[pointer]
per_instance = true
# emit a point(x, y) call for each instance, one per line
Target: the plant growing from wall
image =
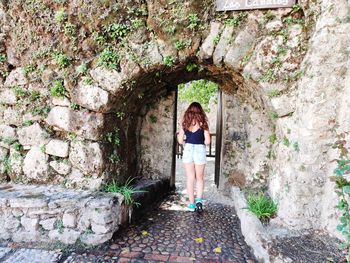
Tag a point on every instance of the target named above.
point(342, 189)
point(58, 89)
point(61, 59)
point(168, 61)
point(127, 190)
point(193, 21)
point(109, 59)
point(262, 206)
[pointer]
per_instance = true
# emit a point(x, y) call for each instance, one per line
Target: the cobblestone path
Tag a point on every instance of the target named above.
point(167, 233)
point(170, 234)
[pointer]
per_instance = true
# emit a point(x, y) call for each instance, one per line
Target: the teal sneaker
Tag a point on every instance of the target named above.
point(191, 207)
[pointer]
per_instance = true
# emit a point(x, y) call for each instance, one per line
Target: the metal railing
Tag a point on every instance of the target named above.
point(210, 147)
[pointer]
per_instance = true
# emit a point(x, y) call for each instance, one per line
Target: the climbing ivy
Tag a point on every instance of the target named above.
point(199, 90)
point(342, 189)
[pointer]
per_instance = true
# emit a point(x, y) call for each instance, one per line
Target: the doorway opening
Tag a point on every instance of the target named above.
point(208, 94)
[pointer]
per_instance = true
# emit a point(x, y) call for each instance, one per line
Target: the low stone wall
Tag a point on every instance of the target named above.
point(32, 213)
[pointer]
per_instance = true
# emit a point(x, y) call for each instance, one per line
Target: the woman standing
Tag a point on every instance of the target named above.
point(195, 134)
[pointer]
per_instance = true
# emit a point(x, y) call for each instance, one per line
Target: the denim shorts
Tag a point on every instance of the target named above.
point(194, 153)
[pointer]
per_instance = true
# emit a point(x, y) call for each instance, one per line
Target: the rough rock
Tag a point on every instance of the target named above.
point(92, 97)
point(110, 80)
point(222, 47)
point(32, 135)
point(89, 125)
point(12, 117)
point(61, 101)
point(243, 43)
point(87, 157)
point(57, 148)
point(61, 167)
point(7, 135)
point(35, 165)
point(207, 48)
point(69, 220)
point(16, 78)
point(8, 96)
point(66, 236)
point(30, 224)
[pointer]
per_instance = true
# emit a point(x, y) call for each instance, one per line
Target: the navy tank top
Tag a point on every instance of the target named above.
point(196, 137)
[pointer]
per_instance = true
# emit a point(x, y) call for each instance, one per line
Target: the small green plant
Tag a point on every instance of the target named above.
point(126, 190)
point(191, 67)
point(113, 137)
point(273, 138)
point(137, 23)
point(61, 15)
point(59, 225)
point(114, 158)
point(296, 147)
point(61, 60)
point(235, 21)
point(268, 16)
point(41, 110)
point(117, 31)
point(27, 123)
point(296, 8)
point(217, 39)
point(262, 206)
point(273, 93)
point(193, 21)
point(2, 58)
point(82, 68)
point(286, 141)
point(109, 59)
point(34, 95)
point(180, 44)
point(69, 29)
point(29, 69)
point(74, 106)
point(269, 76)
point(168, 61)
point(20, 92)
point(153, 118)
point(7, 165)
point(58, 89)
point(273, 115)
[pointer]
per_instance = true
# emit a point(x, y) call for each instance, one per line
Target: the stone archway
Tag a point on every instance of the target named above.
point(107, 63)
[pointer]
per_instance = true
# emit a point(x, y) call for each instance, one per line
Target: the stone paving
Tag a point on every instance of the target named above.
point(167, 233)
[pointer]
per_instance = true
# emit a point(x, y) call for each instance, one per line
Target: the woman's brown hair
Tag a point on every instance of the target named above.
point(195, 114)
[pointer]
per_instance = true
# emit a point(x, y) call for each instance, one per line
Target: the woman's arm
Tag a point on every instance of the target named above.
point(180, 136)
point(207, 138)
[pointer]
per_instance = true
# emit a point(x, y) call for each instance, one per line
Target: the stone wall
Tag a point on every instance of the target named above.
point(157, 139)
point(47, 214)
point(74, 83)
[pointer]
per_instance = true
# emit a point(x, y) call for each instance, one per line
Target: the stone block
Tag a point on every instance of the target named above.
point(61, 101)
point(61, 167)
point(3, 153)
point(92, 97)
point(88, 125)
point(32, 135)
point(110, 80)
point(102, 229)
point(95, 239)
point(283, 105)
point(87, 157)
point(207, 48)
point(12, 117)
point(57, 148)
point(30, 224)
point(101, 217)
point(8, 96)
point(27, 236)
point(28, 202)
point(222, 46)
point(66, 236)
point(48, 224)
point(69, 220)
point(35, 166)
point(17, 212)
point(7, 135)
point(16, 78)
point(243, 43)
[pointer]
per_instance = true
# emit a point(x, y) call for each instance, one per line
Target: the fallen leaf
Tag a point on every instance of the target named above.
point(125, 250)
point(199, 240)
point(144, 233)
point(217, 250)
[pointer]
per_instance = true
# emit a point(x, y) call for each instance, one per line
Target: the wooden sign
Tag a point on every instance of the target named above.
point(225, 5)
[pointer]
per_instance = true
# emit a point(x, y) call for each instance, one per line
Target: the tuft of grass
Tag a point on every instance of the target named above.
point(262, 206)
point(58, 89)
point(168, 61)
point(126, 190)
point(109, 59)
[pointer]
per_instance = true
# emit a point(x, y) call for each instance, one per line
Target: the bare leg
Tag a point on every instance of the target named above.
point(199, 179)
point(190, 174)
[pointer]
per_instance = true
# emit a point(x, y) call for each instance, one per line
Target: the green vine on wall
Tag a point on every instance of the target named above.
point(342, 188)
